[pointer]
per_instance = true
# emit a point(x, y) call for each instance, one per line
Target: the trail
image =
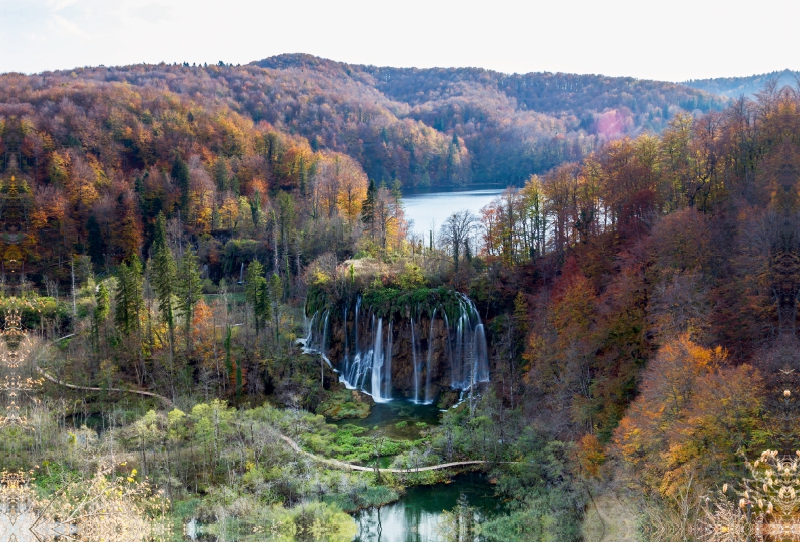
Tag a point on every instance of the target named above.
point(296, 447)
point(342, 465)
point(89, 388)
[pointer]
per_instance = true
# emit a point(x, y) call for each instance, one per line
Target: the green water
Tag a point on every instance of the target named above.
point(418, 515)
point(387, 419)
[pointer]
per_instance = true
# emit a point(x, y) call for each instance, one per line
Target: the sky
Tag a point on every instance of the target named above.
point(673, 41)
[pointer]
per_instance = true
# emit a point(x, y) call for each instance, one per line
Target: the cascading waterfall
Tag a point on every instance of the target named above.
point(367, 368)
point(387, 365)
point(415, 357)
point(469, 362)
point(366, 357)
point(377, 364)
point(317, 336)
point(429, 366)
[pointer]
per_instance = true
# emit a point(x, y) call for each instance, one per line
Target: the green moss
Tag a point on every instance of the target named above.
point(395, 303)
point(364, 498)
point(342, 405)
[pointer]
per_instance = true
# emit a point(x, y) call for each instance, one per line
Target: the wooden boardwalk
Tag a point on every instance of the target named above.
point(348, 466)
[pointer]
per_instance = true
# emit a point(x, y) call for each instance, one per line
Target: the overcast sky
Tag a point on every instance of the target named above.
point(675, 40)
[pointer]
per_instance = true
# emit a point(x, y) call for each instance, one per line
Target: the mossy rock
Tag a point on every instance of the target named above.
point(346, 404)
point(447, 399)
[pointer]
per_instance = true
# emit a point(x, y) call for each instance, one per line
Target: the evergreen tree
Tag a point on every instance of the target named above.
point(257, 293)
point(189, 289)
point(164, 275)
point(302, 174)
point(97, 246)
point(275, 295)
point(180, 172)
point(368, 206)
point(221, 174)
point(101, 309)
point(122, 316)
point(397, 193)
point(129, 295)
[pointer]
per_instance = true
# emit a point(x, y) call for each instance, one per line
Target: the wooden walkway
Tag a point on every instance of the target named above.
point(296, 447)
point(348, 466)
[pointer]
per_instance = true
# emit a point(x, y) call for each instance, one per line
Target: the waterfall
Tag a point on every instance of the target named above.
point(415, 357)
point(365, 361)
point(387, 366)
point(365, 367)
point(469, 356)
point(429, 366)
point(316, 340)
point(377, 363)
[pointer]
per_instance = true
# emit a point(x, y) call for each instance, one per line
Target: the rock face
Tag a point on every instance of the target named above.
point(403, 377)
point(403, 355)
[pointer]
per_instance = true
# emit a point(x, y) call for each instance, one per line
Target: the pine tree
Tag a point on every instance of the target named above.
point(256, 293)
point(101, 309)
point(97, 244)
point(129, 295)
point(368, 206)
point(122, 315)
point(164, 275)
point(180, 172)
point(275, 295)
point(189, 289)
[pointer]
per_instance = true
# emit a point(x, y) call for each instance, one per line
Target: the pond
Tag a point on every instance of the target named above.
point(423, 514)
point(419, 516)
point(427, 207)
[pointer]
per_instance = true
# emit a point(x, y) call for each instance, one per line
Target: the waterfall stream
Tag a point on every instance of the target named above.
point(366, 356)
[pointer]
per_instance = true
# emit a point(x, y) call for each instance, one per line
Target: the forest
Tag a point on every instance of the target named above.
point(216, 325)
point(418, 127)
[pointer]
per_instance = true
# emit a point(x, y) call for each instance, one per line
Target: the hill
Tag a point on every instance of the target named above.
point(734, 87)
point(424, 127)
point(514, 125)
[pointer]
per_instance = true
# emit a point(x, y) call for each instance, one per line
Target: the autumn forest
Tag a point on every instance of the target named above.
point(220, 324)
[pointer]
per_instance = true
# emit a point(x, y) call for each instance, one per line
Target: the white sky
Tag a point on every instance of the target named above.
point(674, 40)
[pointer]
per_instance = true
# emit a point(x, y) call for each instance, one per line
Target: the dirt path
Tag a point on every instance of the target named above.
point(54, 380)
point(296, 447)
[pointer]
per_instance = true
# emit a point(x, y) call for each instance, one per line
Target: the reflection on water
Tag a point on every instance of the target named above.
point(419, 516)
point(438, 513)
point(426, 207)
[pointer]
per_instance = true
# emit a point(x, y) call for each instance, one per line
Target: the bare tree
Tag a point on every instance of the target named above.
point(456, 232)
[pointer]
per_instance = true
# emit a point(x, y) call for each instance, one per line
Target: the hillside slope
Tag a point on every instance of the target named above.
point(734, 87)
point(425, 127)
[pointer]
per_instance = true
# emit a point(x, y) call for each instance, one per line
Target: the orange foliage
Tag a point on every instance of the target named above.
point(694, 409)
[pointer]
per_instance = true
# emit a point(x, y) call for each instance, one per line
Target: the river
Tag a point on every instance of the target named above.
point(428, 208)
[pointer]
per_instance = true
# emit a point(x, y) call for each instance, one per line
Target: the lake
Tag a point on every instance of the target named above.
point(418, 515)
point(434, 205)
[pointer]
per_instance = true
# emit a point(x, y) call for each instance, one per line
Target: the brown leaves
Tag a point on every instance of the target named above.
point(693, 411)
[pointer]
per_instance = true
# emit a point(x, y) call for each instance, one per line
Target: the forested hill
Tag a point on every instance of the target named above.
point(555, 93)
point(512, 125)
point(734, 87)
point(436, 126)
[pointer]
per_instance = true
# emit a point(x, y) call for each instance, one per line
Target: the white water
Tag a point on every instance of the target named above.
point(366, 363)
